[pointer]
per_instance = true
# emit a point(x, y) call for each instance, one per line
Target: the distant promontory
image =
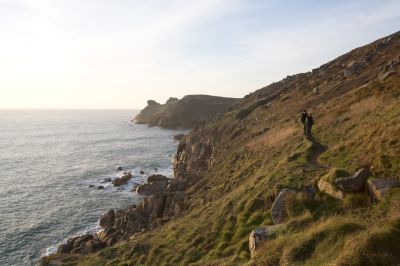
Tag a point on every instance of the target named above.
point(186, 113)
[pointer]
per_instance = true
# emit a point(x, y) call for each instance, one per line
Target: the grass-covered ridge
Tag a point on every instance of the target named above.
point(256, 155)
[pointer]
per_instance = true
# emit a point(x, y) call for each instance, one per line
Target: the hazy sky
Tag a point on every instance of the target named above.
point(120, 53)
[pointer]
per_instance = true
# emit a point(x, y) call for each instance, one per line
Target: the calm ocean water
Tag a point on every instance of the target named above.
point(48, 159)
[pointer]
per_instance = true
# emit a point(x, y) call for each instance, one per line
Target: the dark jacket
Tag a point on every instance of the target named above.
point(303, 117)
point(309, 121)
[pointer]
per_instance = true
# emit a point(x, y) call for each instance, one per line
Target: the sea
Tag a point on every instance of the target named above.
point(52, 163)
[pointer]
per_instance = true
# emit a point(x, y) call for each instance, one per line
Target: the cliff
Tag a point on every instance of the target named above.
point(188, 112)
point(255, 191)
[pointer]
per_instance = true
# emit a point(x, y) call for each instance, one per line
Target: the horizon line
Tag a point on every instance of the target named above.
point(69, 109)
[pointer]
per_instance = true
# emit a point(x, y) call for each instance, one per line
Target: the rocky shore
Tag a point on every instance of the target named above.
point(163, 199)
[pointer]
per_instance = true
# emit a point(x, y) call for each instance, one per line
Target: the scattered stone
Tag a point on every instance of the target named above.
point(329, 189)
point(91, 185)
point(379, 187)
point(107, 180)
point(120, 168)
point(353, 183)
point(155, 169)
point(260, 235)
point(107, 219)
point(278, 209)
point(100, 187)
point(142, 172)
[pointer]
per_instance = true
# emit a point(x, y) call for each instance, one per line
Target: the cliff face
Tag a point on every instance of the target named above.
point(188, 112)
point(252, 181)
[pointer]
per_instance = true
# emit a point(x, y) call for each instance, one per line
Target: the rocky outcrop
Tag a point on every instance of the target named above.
point(188, 112)
point(155, 184)
point(380, 187)
point(164, 199)
point(260, 235)
point(353, 183)
point(82, 244)
point(278, 209)
point(119, 181)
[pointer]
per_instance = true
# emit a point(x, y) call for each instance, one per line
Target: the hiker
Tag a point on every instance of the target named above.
point(309, 123)
point(303, 120)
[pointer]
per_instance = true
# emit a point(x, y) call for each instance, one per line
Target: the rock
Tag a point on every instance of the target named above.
point(151, 188)
point(177, 185)
point(106, 233)
point(94, 245)
point(329, 189)
point(119, 181)
point(142, 172)
point(278, 209)
point(178, 137)
point(107, 219)
point(352, 68)
point(260, 235)
point(76, 250)
point(379, 187)
point(157, 178)
point(64, 248)
point(353, 183)
point(155, 184)
point(107, 180)
point(100, 187)
point(91, 185)
point(120, 168)
point(384, 75)
point(111, 241)
point(80, 241)
point(310, 192)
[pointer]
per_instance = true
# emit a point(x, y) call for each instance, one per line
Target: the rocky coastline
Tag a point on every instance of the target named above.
point(163, 199)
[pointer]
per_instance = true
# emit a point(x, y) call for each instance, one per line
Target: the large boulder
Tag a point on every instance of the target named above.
point(329, 189)
point(379, 187)
point(260, 235)
point(278, 209)
point(353, 183)
point(107, 219)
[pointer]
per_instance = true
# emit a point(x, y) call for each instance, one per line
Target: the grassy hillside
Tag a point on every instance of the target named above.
point(253, 151)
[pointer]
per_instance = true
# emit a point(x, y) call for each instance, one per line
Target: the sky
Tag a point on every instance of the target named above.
point(117, 54)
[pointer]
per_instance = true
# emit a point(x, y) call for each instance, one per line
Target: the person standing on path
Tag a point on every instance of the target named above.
point(309, 123)
point(303, 121)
